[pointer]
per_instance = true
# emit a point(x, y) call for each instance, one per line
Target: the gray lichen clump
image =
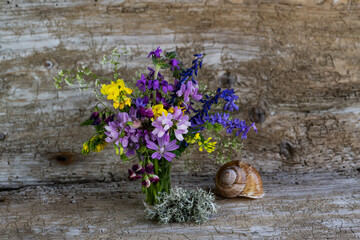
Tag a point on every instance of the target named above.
point(181, 205)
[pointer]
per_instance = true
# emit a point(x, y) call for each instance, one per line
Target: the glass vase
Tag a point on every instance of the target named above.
point(162, 168)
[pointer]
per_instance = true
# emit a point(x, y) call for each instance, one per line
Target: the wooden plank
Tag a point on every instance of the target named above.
point(296, 206)
point(294, 62)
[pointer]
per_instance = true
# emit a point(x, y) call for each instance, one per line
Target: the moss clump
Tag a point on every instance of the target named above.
point(181, 205)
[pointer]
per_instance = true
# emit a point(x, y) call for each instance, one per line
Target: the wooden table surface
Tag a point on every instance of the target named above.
point(295, 206)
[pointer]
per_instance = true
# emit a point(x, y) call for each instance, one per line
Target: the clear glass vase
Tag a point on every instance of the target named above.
point(162, 168)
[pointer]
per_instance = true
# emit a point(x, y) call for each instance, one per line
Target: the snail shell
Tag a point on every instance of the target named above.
point(239, 179)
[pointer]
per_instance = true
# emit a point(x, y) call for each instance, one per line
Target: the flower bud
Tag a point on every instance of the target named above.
point(94, 115)
point(154, 179)
point(109, 119)
point(149, 168)
point(138, 169)
point(132, 175)
point(146, 183)
point(136, 124)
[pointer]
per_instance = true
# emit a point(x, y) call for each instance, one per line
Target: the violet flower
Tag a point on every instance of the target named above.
point(166, 87)
point(146, 112)
point(141, 83)
point(153, 84)
point(164, 148)
point(156, 53)
point(174, 63)
point(187, 90)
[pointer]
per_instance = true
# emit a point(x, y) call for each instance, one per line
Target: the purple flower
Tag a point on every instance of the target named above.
point(162, 124)
point(187, 90)
point(123, 131)
point(146, 112)
point(246, 130)
point(166, 87)
point(141, 83)
point(95, 116)
point(114, 128)
point(108, 119)
point(195, 95)
point(182, 123)
point(154, 84)
point(156, 53)
point(182, 91)
point(145, 136)
point(139, 102)
point(164, 148)
point(174, 63)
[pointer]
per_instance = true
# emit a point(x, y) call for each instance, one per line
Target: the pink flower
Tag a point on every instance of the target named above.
point(182, 124)
point(162, 124)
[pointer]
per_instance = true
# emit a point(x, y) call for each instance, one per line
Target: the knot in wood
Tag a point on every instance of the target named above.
point(257, 115)
point(287, 149)
point(48, 64)
point(64, 158)
point(227, 80)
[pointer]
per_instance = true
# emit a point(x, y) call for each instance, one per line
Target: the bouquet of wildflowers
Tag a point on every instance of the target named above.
point(155, 119)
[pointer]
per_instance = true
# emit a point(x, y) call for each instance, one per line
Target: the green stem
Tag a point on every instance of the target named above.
point(105, 107)
point(156, 71)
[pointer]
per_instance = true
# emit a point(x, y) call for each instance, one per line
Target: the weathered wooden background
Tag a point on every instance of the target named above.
point(295, 65)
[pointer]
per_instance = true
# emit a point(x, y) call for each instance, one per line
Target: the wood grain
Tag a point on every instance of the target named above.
point(294, 64)
point(295, 206)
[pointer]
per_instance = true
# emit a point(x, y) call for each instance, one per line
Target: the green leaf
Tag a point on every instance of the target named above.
point(124, 157)
point(170, 55)
point(164, 65)
point(87, 122)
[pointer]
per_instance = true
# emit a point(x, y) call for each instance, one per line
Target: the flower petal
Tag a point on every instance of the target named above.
point(168, 156)
point(156, 155)
point(152, 145)
point(171, 146)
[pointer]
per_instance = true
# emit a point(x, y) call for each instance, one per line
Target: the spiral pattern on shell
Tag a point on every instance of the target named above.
point(239, 179)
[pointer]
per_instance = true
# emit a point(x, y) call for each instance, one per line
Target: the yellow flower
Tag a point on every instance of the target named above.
point(85, 150)
point(193, 140)
point(158, 110)
point(197, 136)
point(117, 92)
point(100, 147)
point(209, 146)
